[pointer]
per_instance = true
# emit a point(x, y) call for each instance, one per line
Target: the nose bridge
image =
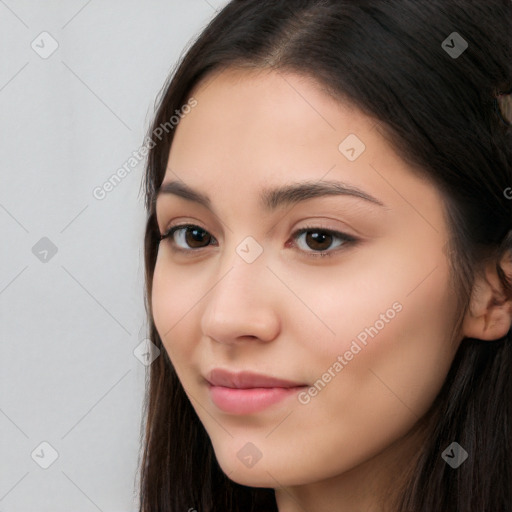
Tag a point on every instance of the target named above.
point(239, 302)
point(243, 269)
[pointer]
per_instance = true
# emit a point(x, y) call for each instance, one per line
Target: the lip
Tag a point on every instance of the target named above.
point(247, 392)
point(247, 380)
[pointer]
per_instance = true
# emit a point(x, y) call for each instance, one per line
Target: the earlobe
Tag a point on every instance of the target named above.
point(489, 316)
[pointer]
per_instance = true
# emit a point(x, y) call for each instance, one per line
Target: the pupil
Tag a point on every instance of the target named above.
point(318, 238)
point(197, 235)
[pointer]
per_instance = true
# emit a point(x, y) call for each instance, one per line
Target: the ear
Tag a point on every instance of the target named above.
point(489, 316)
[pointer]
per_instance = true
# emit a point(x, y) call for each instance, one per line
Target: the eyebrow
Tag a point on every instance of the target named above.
point(273, 198)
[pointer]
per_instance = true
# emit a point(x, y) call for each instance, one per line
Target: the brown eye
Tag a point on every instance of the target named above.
point(318, 241)
point(188, 237)
point(196, 237)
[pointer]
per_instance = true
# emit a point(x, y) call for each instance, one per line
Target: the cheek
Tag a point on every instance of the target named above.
point(173, 298)
point(387, 293)
point(384, 384)
point(392, 320)
point(396, 343)
point(417, 352)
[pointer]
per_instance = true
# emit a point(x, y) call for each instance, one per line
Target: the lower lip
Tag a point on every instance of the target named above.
point(247, 401)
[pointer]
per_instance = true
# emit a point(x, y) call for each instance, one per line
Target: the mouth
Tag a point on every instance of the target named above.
point(247, 392)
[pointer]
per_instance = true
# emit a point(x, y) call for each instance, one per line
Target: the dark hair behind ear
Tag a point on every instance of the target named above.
point(397, 61)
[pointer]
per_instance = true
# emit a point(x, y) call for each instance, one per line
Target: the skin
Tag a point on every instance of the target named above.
point(290, 315)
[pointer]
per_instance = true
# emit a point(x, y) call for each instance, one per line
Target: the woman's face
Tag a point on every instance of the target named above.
point(363, 329)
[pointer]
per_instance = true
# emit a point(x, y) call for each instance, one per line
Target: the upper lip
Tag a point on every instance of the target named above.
point(246, 380)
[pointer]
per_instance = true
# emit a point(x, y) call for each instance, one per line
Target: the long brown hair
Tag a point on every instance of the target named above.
point(440, 114)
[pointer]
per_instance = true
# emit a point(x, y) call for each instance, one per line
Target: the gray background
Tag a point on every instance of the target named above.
point(70, 321)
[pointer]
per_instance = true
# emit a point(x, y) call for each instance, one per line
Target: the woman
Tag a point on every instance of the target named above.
point(328, 261)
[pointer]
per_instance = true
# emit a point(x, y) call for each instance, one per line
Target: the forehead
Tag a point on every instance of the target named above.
point(252, 130)
point(265, 123)
point(265, 107)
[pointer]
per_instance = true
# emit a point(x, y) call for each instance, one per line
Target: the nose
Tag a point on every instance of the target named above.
point(243, 304)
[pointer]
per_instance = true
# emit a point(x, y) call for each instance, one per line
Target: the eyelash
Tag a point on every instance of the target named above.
point(347, 239)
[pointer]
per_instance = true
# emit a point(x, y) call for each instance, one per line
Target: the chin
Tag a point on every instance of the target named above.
point(255, 476)
point(249, 479)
